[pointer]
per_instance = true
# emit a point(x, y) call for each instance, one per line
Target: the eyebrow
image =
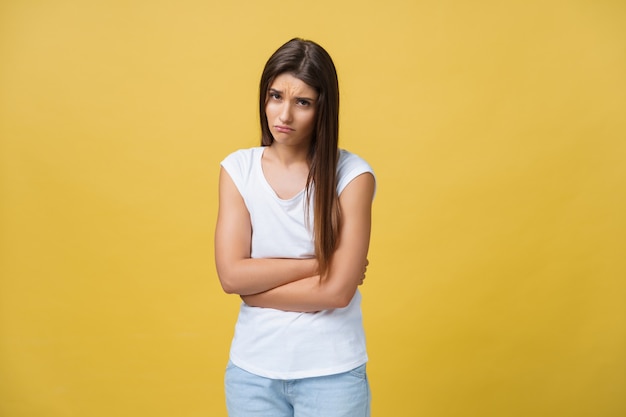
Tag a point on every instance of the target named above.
point(273, 90)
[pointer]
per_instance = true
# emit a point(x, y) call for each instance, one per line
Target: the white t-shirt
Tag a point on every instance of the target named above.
point(282, 344)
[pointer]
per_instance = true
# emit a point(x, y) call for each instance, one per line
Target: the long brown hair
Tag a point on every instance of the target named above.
point(310, 63)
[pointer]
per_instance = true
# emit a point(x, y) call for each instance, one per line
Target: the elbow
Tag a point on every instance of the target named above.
point(337, 294)
point(228, 289)
point(232, 282)
point(342, 299)
point(342, 302)
point(347, 299)
point(227, 282)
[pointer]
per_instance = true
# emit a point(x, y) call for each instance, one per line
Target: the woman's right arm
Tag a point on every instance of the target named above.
point(237, 271)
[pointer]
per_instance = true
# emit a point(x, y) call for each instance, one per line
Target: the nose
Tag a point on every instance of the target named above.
point(285, 115)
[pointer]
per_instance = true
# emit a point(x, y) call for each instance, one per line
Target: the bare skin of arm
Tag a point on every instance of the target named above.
point(345, 273)
point(237, 271)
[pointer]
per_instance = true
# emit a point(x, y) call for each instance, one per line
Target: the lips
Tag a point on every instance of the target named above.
point(283, 129)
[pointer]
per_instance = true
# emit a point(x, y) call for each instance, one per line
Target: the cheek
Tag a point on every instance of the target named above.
point(268, 110)
point(311, 121)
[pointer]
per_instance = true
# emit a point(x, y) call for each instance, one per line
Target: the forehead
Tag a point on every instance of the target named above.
point(287, 83)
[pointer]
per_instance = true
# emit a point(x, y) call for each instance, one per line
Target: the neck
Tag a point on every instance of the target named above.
point(288, 155)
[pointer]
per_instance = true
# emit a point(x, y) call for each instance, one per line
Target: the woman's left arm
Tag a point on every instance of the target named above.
point(345, 272)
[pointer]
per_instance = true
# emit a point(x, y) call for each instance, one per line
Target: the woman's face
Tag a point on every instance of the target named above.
point(291, 109)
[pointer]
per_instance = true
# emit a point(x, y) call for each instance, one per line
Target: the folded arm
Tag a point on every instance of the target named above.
point(237, 271)
point(345, 273)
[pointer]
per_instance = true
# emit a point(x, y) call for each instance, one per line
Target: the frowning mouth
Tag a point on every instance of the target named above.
point(283, 129)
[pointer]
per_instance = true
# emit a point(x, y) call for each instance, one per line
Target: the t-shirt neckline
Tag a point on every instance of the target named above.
point(259, 160)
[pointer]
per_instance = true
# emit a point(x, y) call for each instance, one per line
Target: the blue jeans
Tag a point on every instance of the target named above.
point(341, 395)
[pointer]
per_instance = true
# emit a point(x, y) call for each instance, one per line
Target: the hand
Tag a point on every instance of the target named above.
point(364, 271)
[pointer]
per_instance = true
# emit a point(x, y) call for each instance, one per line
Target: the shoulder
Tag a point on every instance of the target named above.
point(242, 156)
point(240, 165)
point(349, 167)
point(349, 160)
point(242, 160)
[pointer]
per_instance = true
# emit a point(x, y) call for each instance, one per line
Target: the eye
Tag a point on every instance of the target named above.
point(274, 95)
point(303, 102)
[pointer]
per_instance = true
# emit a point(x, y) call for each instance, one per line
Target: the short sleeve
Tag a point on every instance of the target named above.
point(238, 165)
point(349, 167)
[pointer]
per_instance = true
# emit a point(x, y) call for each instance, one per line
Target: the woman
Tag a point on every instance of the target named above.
point(292, 237)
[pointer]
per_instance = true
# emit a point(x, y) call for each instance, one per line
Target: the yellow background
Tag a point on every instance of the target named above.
point(497, 272)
